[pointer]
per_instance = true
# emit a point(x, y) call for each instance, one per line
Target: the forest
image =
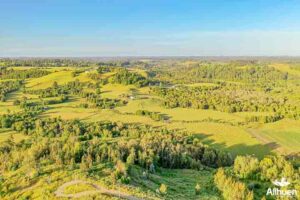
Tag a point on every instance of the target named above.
point(149, 128)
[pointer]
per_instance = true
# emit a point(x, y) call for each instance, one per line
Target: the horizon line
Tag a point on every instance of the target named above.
point(156, 56)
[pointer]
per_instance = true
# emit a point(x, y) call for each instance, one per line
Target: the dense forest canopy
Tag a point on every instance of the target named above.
point(260, 75)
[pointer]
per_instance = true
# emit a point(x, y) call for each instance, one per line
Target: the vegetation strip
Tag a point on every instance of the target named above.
point(60, 191)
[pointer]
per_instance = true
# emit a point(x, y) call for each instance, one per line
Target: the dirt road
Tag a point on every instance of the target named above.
point(60, 191)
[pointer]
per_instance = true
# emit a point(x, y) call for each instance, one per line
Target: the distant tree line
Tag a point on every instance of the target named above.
point(252, 73)
point(228, 99)
point(46, 62)
point(21, 74)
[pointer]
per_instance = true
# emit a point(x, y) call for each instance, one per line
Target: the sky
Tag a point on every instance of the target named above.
point(149, 28)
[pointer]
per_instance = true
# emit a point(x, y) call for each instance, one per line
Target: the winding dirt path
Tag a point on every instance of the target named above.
point(60, 191)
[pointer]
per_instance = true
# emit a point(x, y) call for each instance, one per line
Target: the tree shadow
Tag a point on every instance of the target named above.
point(258, 150)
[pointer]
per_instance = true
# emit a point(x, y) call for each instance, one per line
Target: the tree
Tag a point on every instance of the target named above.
point(16, 102)
point(72, 164)
point(131, 158)
point(163, 189)
point(245, 166)
point(55, 85)
point(84, 165)
point(98, 91)
point(272, 167)
point(152, 168)
point(1, 186)
point(197, 189)
point(121, 172)
point(230, 188)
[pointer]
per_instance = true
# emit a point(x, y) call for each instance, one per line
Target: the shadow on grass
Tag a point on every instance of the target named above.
point(258, 150)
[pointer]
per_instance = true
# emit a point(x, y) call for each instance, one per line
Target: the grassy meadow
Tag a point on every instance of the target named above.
point(220, 133)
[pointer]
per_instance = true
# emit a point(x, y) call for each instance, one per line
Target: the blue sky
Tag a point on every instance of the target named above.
point(149, 27)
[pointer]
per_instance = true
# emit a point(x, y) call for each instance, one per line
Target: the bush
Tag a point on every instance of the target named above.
point(245, 166)
point(163, 189)
point(272, 167)
point(16, 102)
point(230, 188)
point(121, 172)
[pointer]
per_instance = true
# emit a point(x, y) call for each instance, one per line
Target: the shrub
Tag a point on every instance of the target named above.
point(163, 189)
point(245, 166)
point(230, 188)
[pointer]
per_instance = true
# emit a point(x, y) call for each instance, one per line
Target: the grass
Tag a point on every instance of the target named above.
point(177, 114)
point(286, 133)
point(233, 139)
point(76, 188)
point(214, 127)
point(180, 183)
point(220, 135)
point(223, 136)
point(52, 177)
point(61, 77)
point(248, 114)
point(116, 90)
point(7, 133)
point(8, 104)
point(286, 68)
point(202, 84)
point(139, 71)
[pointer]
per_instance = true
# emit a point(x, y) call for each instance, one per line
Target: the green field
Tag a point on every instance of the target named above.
point(99, 97)
point(284, 133)
point(222, 135)
point(6, 134)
